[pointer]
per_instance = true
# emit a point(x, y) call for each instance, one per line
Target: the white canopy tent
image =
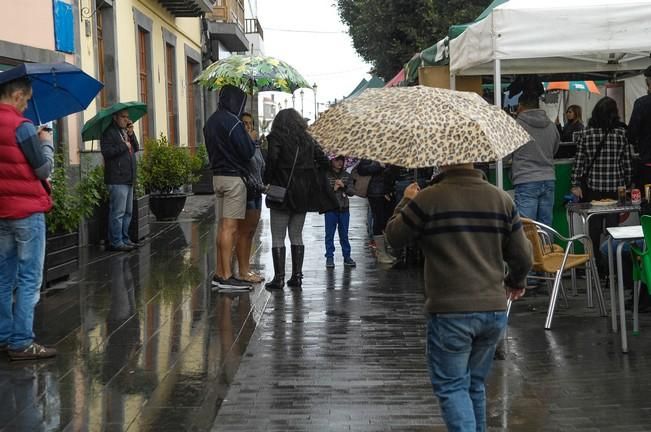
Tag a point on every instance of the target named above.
point(602, 37)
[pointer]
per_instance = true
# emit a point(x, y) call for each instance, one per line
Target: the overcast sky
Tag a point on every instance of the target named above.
point(309, 35)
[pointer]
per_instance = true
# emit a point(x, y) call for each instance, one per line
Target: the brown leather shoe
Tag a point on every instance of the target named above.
point(32, 352)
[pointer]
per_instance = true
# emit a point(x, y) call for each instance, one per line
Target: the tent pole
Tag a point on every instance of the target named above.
point(453, 82)
point(499, 175)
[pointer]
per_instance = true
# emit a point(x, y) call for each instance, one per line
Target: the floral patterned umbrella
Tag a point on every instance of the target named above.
point(252, 74)
point(416, 127)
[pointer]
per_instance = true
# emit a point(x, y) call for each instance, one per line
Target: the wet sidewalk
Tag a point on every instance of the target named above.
point(144, 345)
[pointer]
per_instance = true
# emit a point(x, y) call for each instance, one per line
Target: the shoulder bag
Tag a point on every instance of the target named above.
point(583, 181)
point(278, 194)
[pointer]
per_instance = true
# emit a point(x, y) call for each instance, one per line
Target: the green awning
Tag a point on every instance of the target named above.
point(374, 82)
point(457, 29)
point(439, 53)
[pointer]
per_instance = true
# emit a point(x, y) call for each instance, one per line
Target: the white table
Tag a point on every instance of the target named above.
point(624, 234)
point(586, 211)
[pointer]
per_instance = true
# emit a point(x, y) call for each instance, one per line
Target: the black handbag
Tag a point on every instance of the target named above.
point(277, 194)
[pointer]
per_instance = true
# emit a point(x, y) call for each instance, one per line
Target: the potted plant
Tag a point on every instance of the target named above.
point(204, 184)
point(166, 169)
point(139, 227)
point(70, 205)
point(98, 221)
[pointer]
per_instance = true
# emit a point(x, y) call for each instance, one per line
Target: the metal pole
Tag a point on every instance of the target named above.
point(316, 105)
point(302, 98)
point(499, 175)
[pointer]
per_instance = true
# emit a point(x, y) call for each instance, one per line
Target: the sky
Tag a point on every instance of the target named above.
point(309, 35)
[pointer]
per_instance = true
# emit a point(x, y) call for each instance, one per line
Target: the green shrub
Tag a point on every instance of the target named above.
point(70, 204)
point(166, 168)
point(202, 154)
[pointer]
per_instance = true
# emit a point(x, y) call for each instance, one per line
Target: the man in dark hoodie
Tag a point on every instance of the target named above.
point(532, 172)
point(230, 148)
point(639, 131)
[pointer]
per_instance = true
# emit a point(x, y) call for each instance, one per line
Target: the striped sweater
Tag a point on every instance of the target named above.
point(467, 229)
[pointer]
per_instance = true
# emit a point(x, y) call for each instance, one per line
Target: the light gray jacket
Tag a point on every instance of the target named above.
point(534, 161)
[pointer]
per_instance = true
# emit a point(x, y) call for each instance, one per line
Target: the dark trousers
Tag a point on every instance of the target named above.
point(382, 209)
point(598, 223)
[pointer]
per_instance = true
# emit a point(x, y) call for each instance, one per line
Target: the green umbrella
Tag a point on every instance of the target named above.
point(252, 74)
point(95, 127)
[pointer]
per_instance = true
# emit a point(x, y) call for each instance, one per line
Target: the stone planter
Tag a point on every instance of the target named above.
point(138, 229)
point(61, 257)
point(98, 225)
point(167, 207)
point(203, 186)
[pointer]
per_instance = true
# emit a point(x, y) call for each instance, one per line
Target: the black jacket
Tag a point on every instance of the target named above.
point(381, 179)
point(230, 148)
point(119, 163)
point(307, 191)
point(639, 128)
point(567, 131)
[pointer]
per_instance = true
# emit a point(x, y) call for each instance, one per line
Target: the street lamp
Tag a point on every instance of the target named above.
point(316, 104)
point(302, 94)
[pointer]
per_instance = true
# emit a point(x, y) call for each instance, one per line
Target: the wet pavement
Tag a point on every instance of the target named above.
point(144, 345)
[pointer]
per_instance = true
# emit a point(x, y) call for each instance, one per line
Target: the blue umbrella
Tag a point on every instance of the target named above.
point(58, 89)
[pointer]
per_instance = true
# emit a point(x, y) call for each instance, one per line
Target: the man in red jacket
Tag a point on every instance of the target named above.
point(26, 160)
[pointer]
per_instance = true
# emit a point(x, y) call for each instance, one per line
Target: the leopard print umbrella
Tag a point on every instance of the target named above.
point(419, 126)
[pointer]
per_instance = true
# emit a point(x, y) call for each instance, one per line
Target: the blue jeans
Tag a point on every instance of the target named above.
point(22, 252)
point(535, 200)
point(337, 221)
point(460, 349)
point(120, 209)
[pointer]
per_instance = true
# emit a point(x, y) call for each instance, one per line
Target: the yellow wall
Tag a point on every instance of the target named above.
point(187, 32)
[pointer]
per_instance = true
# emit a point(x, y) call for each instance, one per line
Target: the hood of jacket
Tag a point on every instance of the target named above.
point(232, 99)
point(536, 118)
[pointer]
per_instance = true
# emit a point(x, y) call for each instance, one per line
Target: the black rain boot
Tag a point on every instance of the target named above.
point(278, 282)
point(298, 252)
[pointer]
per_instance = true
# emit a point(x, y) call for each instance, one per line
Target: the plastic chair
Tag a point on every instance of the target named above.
point(555, 261)
point(641, 270)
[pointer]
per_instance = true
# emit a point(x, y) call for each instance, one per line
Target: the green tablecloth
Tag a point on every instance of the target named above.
point(563, 168)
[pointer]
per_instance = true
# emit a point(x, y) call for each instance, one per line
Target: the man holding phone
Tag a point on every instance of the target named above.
point(26, 161)
point(119, 146)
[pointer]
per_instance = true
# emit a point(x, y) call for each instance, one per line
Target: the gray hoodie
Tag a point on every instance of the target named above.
point(534, 161)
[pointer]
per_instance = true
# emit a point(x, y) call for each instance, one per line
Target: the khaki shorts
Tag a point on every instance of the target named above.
point(231, 197)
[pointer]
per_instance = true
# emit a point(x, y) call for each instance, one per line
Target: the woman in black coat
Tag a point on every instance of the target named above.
point(291, 148)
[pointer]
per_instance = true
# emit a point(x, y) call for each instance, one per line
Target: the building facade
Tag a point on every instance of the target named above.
point(43, 31)
point(142, 50)
point(148, 51)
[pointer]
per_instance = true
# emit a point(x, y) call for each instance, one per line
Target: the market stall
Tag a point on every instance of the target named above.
point(595, 39)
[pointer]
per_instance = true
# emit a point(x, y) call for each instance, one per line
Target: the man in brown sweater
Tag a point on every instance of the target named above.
point(468, 230)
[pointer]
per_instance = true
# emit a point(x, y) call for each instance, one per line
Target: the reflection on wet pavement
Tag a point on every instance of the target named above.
point(144, 345)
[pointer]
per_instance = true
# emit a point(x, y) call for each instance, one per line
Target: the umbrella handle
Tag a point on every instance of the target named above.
point(38, 116)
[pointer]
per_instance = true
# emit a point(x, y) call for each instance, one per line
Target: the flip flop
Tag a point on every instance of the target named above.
point(252, 278)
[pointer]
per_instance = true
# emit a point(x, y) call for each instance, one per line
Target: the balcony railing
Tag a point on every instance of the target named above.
point(252, 25)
